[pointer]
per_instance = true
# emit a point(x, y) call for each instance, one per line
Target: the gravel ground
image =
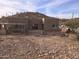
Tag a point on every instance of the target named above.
point(39, 47)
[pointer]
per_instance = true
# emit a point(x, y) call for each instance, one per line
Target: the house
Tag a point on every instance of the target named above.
point(24, 23)
point(13, 25)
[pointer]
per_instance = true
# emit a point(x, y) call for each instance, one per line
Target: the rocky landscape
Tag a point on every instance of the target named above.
point(38, 47)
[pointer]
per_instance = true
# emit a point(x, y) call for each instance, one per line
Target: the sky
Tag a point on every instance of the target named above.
point(53, 8)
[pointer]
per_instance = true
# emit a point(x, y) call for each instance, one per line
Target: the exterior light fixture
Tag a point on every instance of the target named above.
point(2, 25)
point(43, 20)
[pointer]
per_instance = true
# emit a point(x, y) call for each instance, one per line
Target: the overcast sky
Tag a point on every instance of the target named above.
point(54, 8)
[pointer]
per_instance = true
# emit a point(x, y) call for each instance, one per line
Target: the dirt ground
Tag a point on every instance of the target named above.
point(38, 47)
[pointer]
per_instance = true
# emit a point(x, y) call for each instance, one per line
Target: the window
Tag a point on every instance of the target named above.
point(35, 26)
point(17, 28)
point(53, 25)
point(0, 26)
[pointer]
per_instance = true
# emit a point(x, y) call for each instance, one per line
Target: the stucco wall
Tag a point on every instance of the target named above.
point(51, 24)
point(35, 21)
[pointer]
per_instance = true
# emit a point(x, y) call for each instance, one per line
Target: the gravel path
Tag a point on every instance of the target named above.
point(38, 47)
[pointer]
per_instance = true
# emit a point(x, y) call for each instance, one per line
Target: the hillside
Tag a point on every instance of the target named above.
point(73, 23)
point(31, 15)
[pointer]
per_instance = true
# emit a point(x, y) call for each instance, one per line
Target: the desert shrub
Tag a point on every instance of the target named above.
point(73, 23)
